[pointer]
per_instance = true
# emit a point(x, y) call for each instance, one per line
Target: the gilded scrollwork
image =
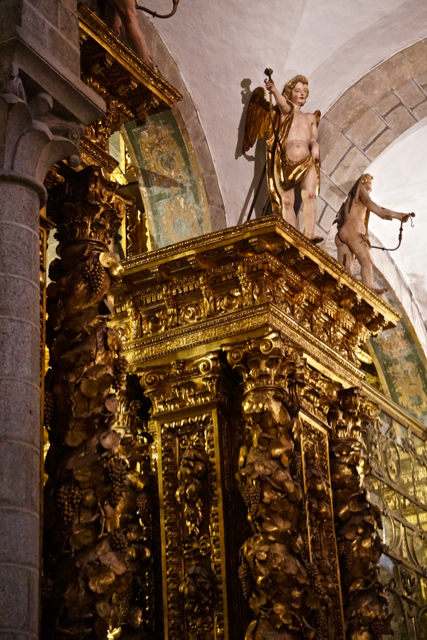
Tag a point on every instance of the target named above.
point(184, 383)
point(192, 539)
point(190, 495)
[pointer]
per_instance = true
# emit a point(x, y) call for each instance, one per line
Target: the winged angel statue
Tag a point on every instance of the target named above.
point(293, 158)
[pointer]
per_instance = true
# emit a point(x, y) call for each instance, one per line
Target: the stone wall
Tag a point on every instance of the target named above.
point(367, 118)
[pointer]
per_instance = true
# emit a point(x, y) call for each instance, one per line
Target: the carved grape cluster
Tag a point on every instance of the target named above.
point(117, 471)
point(118, 542)
point(252, 497)
point(69, 499)
point(123, 602)
point(321, 623)
point(246, 579)
point(120, 369)
point(345, 551)
point(316, 580)
point(94, 274)
point(144, 507)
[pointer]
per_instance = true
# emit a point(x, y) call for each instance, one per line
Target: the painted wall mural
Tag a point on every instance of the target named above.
point(403, 368)
point(170, 181)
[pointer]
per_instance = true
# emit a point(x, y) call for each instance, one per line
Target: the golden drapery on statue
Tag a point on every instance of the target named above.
point(282, 173)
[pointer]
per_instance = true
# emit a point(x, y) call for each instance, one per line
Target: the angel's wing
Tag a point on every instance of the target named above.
point(317, 114)
point(256, 120)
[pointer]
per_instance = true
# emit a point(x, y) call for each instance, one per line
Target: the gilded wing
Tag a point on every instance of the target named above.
point(317, 114)
point(256, 120)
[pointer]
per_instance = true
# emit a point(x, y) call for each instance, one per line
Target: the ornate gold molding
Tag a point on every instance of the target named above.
point(185, 396)
point(121, 68)
point(131, 90)
point(357, 520)
point(231, 276)
point(290, 321)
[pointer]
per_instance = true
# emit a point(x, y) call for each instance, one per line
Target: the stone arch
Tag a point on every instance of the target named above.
point(365, 120)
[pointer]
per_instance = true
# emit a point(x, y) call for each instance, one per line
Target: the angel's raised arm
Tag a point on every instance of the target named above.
point(256, 119)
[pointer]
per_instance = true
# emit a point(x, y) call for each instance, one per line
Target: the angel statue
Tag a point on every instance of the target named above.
point(352, 239)
point(292, 150)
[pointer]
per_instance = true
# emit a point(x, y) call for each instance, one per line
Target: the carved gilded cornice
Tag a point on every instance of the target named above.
point(112, 64)
point(131, 90)
point(262, 275)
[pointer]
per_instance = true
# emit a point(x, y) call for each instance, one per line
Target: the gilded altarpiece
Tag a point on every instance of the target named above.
point(246, 341)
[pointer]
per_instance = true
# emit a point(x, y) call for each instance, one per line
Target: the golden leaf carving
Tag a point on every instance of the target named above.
point(100, 577)
point(83, 537)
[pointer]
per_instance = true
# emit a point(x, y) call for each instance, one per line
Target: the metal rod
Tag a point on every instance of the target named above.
point(157, 15)
point(412, 215)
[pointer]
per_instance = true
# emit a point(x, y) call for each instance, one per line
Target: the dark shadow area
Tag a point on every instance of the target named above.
point(246, 96)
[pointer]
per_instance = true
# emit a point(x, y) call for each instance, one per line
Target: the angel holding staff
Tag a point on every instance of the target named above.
point(292, 150)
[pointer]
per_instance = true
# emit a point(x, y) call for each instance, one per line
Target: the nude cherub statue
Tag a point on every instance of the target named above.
point(352, 239)
point(118, 13)
point(293, 157)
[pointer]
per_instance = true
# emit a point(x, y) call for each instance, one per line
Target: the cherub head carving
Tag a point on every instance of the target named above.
point(290, 86)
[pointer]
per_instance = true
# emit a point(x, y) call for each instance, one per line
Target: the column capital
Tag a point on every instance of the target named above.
point(185, 383)
point(32, 136)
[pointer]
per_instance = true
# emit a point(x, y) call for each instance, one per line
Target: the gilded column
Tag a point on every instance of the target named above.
point(289, 566)
point(187, 396)
point(94, 502)
point(357, 520)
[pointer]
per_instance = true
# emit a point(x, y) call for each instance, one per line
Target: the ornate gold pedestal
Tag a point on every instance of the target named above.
point(245, 343)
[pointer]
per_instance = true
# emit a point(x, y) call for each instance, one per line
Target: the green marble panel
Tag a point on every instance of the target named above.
point(402, 366)
point(171, 186)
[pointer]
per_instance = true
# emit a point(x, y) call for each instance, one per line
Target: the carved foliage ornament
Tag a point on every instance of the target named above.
point(291, 582)
point(94, 540)
point(357, 521)
point(86, 207)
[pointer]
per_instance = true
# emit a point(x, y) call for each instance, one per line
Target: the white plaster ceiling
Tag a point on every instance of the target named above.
point(222, 48)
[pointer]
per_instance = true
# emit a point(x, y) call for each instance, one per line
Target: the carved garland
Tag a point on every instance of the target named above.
point(94, 545)
point(292, 585)
point(357, 521)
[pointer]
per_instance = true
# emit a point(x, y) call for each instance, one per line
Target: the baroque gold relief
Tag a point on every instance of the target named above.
point(162, 153)
point(289, 568)
point(409, 386)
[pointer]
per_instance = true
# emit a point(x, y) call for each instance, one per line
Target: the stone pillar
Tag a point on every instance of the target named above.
point(29, 146)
